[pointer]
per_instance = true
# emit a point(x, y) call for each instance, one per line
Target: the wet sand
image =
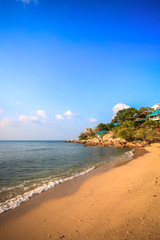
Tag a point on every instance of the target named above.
point(122, 203)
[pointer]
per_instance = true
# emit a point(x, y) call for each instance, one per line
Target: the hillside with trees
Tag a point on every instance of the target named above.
point(129, 124)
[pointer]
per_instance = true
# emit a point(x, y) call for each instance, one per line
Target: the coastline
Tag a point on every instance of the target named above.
point(78, 190)
point(92, 171)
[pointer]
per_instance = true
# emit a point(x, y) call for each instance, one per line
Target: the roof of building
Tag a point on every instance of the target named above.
point(139, 120)
point(100, 132)
point(136, 115)
point(157, 112)
point(116, 124)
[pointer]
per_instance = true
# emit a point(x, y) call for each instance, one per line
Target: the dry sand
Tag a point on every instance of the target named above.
point(122, 203)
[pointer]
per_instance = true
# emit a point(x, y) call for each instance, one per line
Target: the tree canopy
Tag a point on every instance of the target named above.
point(102, 127)
point(83, 136)
point(146, 110)
point(126, 114)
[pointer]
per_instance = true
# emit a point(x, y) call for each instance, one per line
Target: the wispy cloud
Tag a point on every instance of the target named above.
point(118, 107)
point(69, 113)
point(18, 103)
point(10, 122)
point(4, 122)
point(41, 113)
point(32, 119)
point(93, 120)
point(21, 119)
point(1, 110)
point(59, 117)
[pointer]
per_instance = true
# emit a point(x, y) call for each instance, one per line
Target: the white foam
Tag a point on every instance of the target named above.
point(130, 154)
point(16, 201)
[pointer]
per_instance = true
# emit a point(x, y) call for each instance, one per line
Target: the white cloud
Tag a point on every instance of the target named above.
point(156, 106)
point(31, 119)
point(59, 117)
point(41, 113)
point(4, 122)
point(119, 106)
point(93, 120)
point(18, 103)
point(1, 110)
point(69, 113)
point(21, 119)
point(7, 121)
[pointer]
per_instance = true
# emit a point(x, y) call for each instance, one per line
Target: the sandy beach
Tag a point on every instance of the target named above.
point(122, 203)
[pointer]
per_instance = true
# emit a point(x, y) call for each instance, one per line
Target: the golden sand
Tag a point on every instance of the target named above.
point(122, 203)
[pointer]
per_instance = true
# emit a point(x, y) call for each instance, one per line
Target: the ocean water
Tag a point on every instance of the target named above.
point(30, 167)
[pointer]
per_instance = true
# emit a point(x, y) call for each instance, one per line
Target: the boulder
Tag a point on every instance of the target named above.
point(107, 136)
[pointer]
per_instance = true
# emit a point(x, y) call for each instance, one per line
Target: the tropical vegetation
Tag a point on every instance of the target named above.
point(127, 128)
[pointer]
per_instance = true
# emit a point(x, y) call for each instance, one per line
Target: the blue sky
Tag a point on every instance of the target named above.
point(64, 65)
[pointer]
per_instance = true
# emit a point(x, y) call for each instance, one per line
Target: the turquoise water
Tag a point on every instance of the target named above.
point(30, 167)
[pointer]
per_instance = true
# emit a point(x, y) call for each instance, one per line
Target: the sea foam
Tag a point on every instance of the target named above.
point(32, 163)
point(16, 201)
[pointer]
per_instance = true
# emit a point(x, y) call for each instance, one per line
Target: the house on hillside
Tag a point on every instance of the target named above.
point(115, 124)
point(140, 117)
point(100, 132)
point(155, 116)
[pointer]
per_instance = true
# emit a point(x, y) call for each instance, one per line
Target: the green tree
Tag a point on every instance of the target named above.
point(102, 127)
point(128, 124)
point(83, 136)
point(146, 110)
point(89, 132)
point(126, 114)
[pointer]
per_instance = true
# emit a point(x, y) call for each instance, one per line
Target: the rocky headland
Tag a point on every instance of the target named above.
point(108, 140)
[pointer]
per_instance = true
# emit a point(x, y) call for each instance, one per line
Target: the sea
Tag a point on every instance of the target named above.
point(31, 167)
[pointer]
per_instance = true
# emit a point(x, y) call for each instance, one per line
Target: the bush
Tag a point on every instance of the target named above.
point(149, 123)
point(128, 124)
point(125, 125)
point(153, 135)
point(140, 134)
point(93, 136)
point(125, 133)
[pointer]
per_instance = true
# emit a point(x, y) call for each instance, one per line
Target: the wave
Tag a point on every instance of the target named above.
point(47, 183)
point(16, 201)
point(130, 154)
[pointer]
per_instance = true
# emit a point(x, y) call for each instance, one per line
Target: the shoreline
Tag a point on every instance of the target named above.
point(82, 176)
point(58, 194)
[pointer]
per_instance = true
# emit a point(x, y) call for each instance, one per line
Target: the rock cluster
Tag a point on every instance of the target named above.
point(108, 141)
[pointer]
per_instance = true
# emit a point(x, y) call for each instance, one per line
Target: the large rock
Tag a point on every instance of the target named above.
point(107, 141)
point(107, 136)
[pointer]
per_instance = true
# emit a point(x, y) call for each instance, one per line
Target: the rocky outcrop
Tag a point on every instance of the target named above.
point(108, 141)
point(77, 141)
